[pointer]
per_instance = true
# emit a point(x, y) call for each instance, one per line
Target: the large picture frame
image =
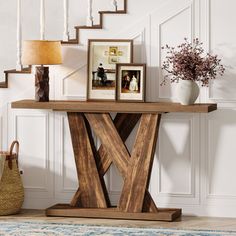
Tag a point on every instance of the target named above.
point(103, 55)
point(131, 82)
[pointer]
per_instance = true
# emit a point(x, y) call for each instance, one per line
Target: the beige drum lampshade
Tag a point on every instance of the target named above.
point(41, 52)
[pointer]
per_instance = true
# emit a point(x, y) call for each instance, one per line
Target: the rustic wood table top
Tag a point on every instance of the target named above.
point(106, 107)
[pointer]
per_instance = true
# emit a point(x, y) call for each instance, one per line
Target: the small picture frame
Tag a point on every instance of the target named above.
point(130, 82)
point(103, 55)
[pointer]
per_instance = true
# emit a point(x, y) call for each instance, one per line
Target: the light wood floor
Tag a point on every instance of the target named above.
point(186, 222)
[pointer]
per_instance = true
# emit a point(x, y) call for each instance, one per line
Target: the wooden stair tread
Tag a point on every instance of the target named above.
point(23, 71)
point(113, 12)
point(71, 41)
point(4, 84)
point(89, 27)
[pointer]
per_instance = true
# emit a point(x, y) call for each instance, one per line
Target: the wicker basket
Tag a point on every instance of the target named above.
point(11, 187)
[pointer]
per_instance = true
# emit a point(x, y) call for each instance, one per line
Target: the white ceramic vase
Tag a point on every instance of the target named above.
point(187, 92)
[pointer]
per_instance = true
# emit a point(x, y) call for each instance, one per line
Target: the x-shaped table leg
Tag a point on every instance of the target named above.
point(124, 124)
point(141, 158)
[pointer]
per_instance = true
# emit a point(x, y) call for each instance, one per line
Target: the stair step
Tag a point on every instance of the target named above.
point(99, 26)
point(88, 27)
point(4, 84)
point(23, 71)
point(113, 12)
point(71, 41)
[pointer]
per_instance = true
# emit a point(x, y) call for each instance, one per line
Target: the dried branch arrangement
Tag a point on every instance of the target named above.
point(189, 62)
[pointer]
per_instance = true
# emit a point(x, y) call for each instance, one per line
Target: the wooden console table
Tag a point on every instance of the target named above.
point(91, 199)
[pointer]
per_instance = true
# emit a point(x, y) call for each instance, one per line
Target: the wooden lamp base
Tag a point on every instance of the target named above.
point(42, 84)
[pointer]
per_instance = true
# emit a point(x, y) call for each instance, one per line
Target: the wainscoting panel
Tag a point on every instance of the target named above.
point(169, 25)
point(220, 159)
point(176, 166)
point(222, 41)
point(65, 175)
point(71, 84)
point(34, 131)
point(175, 155)
point(71, 76)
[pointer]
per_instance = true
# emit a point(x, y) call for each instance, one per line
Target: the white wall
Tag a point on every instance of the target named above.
point(195, 161)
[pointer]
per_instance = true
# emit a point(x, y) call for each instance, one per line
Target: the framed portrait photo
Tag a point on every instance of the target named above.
point(103, 55)
point(131, 80)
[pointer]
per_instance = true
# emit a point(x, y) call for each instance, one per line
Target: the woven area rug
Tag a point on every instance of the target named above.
point(41, 229)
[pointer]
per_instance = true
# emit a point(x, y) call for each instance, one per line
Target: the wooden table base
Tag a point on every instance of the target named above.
point(91, 198)
point(65, 210)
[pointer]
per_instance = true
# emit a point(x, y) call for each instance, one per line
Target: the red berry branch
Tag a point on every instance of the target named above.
point(189, 62)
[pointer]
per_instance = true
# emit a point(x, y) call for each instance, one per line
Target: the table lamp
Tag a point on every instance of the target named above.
point(41, 52)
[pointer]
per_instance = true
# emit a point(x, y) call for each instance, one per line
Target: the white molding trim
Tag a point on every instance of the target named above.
point(192, 193)
point(62, 157)
point(210, 196)
point(209, 95)
point(159, 43)
point(62, 87)
point(46, 187)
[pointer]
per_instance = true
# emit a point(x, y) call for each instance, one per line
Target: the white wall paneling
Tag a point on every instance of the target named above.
point(71, 77)
point(26, 126)
point(222, 42)
point(175, 177)
point(166, 29)
point(220, 149)
point(34, 130)
point(140, 33)
point(71, 83)
point(66, 181)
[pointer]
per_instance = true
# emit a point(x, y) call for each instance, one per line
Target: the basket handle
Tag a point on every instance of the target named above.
point(12, 147)
point(14, 143)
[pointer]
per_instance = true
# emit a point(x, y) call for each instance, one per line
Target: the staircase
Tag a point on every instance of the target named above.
point(76, 40)
point(98, 26)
